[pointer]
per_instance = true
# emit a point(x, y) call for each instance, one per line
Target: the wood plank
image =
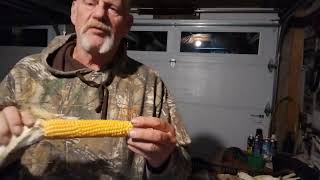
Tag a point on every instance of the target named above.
point(294, 85)
point(295, 75)
point(286, 117)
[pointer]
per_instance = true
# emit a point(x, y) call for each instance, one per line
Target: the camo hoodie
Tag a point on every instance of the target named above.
point(129, 89)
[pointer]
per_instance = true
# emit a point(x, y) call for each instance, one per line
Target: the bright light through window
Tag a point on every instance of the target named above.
point(220, 42)
point(198, 43)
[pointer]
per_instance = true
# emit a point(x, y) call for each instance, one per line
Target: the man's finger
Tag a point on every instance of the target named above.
point(151, 135)
point(5, 134)
point(138, 151)
point(151, 122)
point(14, 121)
point(27, 118)
point(145, 147)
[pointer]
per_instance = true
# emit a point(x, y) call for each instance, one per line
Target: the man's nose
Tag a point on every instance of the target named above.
point(100, 11)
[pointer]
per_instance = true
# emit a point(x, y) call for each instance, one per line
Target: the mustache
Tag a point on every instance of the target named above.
point(98, 25)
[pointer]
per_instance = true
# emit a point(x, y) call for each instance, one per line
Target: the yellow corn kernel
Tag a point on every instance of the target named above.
point(63, 128)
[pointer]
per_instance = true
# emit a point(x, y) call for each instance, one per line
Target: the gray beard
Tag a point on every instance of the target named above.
point(104, 48)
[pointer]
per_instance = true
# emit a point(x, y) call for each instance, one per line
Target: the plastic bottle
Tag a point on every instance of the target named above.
point(250, 144)
point(273, 145)
point(259, 135)
point(256, 147)
point(265, 149)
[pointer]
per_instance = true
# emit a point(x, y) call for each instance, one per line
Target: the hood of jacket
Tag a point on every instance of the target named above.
point(120, 63)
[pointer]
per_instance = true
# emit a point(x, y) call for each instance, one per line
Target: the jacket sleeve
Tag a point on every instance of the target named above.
point(7, 98)
point(7, 92)
point(19, 84)
point(179, 166)
point(15, 84)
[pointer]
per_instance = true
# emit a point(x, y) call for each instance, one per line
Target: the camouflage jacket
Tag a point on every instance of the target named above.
point(136, 90)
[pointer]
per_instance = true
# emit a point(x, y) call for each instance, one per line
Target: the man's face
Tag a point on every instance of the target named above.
point(100, 24)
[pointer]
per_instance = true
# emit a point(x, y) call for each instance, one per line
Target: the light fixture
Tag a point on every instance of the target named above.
point(197, 43)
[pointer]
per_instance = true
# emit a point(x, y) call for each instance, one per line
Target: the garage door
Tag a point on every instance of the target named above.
point(218, 74)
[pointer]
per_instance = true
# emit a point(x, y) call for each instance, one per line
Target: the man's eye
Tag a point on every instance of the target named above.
point(90, 2)
point(113, 10)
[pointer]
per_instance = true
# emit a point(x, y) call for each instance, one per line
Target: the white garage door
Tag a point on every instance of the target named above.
point(218, 74)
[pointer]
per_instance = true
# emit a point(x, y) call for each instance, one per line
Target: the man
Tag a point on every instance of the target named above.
point(89, 76)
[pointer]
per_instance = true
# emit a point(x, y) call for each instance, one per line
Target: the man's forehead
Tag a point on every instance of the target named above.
point(125, 3)
point(113, 1)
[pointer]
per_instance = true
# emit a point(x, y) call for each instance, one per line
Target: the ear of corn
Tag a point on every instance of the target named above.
point(60, 128)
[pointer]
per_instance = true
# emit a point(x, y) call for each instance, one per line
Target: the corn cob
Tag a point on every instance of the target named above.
point(60, 128)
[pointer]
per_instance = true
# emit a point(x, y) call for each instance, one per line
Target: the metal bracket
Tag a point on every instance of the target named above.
point(172, 62)
point(272, 66)
point(267, 109)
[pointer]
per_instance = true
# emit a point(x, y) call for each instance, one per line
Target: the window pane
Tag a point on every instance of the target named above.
point(23, 37)
point(220, 42)
point(147, 40)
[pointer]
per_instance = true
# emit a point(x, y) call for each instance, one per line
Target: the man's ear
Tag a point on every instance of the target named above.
point(73, 12)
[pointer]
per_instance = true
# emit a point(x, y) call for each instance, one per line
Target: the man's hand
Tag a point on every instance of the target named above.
point(152, 138)
point(12, 122)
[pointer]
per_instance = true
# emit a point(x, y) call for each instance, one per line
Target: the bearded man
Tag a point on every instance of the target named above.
point(88, 75)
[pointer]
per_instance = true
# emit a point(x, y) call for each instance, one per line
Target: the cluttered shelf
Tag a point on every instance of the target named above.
point(283, 167)
point(261, 160)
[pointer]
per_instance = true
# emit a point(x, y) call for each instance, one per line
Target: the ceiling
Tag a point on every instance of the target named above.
point(37, 12)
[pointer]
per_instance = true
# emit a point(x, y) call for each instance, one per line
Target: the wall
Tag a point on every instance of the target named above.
point(10, 55)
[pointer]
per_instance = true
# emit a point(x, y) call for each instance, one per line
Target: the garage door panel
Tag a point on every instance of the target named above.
point(220, 84)
point(247, 85)
point(223, 124)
